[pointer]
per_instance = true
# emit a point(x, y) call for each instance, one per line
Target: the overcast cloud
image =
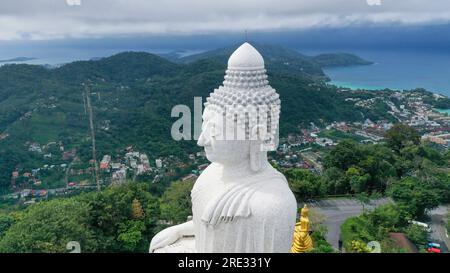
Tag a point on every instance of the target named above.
point(55, 19)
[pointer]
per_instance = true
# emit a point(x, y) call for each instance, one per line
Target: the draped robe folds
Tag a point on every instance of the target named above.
point(227, 218)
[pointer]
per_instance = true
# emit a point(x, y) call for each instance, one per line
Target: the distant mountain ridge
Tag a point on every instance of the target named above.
point(278, 58)
point(17, 59)
point(339, 59)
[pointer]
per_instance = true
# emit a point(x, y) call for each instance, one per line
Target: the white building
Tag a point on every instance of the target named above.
point(120, 176)
point(158, 163)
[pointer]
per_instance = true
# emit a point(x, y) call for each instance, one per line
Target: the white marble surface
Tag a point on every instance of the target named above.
point(240, 203)
point(246, 57)
point(182, 245)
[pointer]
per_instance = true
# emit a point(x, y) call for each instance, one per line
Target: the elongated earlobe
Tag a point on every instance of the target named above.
point(255, 156)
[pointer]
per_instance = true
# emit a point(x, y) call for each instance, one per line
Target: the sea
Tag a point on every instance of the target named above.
point(399, 70)
point(60, 56)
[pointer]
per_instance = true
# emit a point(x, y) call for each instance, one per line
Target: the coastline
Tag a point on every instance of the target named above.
point(442, 111)
point(395, 70)
point(356, 86)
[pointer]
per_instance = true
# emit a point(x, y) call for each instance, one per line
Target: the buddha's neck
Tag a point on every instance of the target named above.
point(240, 170)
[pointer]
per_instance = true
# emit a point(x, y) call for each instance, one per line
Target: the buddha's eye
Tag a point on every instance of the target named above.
point(213, 130)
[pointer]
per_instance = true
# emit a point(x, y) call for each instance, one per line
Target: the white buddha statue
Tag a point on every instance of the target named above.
point(240, 203)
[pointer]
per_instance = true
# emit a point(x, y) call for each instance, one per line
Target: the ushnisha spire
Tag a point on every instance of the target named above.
point(246, 96)
point(246, 57)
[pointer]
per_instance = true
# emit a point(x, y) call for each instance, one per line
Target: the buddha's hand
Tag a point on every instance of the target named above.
point(170, 235)
point(164, 238)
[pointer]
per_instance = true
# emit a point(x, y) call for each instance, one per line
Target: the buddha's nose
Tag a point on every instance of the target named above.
point(203, 139)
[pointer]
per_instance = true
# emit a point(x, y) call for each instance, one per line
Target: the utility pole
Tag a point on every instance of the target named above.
point(84, 102)
point(91, 125)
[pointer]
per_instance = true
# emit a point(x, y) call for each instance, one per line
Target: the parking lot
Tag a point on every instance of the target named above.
point(337, 210)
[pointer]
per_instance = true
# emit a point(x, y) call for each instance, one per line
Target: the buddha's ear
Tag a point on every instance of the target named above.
point(257, 154)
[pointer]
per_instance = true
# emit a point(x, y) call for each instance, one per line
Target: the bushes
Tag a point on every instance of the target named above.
point(373, 226)
point(417, 234)
point(320, 243)
point(355, 229)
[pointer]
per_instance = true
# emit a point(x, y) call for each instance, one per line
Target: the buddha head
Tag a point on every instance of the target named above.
point(240, 120)
point(304, 211)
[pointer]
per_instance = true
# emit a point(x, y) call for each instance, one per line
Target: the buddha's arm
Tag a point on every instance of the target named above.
point(187, 229)
point(171, 234)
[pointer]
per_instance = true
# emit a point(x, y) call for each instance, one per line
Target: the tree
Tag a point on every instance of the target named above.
point(49, 226)
point(414, 195)
point(358, 182)
point(305, 184)
point(113, 217)
point(346, 154)
point(335, 181)
point(364, 199)
point(359, 168)
point(137, 211)
point(360, 247)
point(131, 234)
point(112, 220)
point(400, 136)
point(6, 222)
point(176, 202)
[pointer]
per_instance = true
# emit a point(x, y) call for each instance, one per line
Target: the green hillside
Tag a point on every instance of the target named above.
point(280, 59)
point(133, 94)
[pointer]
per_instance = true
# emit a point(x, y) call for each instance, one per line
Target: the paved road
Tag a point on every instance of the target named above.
point(438, 231)
point(337, 210)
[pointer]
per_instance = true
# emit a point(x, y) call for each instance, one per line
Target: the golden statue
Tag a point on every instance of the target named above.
point(302, 241)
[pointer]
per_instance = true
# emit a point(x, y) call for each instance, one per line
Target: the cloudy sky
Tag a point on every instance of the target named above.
point(62, 19)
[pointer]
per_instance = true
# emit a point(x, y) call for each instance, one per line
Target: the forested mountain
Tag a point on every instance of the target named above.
point(132, 95)
point(280, 59)
point(339, 59)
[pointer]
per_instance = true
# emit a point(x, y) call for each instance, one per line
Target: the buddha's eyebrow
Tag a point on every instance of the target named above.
point(206, 120)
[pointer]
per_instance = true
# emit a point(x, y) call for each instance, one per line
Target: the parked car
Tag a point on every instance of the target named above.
point(433, 245)
point(433, 250)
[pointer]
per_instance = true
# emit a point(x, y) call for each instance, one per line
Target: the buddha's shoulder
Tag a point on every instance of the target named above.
point(274, 195)
point(208, 174)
